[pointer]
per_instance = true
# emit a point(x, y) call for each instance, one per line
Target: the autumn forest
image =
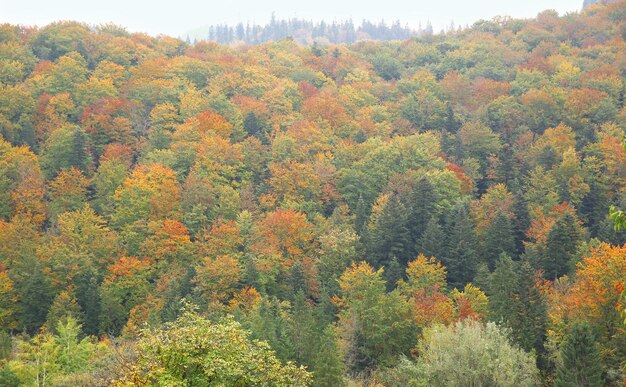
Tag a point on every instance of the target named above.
point(440, 210)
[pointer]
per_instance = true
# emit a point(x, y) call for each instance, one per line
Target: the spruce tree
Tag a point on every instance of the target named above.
point(393, 273)
point(460, 256)
point(422, 208)
point(521, 221)
point(498, 239)
point(328, 364)
point(580, 359)
point(36, 296)
point(361, 213)
point(432, 241)
point(532, 313)
point(303, 331)
point(88, 298)
point(389, 237)
point(481, 279)
point(561, 245)
point(503, 285)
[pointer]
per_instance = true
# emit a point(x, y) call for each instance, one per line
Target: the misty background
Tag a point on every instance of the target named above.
point(178, 18)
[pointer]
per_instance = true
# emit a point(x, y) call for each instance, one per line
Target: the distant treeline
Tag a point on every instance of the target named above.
point(306, 31)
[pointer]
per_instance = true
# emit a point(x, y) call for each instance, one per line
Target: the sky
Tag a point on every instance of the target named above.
point(175, 18)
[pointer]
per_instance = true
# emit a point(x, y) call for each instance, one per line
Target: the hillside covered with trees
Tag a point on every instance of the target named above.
point(431, 211)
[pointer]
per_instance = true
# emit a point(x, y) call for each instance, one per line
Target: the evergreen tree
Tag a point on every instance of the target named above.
point(36, 297)
point(482, 277)
point(503, 284)
point(267, 323)
point(498, 239)
point(561, 245)
point(506, 169)
point(297, 280)
point(252, 126)
point(88, 298)
point(432, 241)
point(422, 208)
point(303, 331)
point(532, 313)
point(389, 236)
point(328, 364)
point(452, 122)
point(393, 273)
point(361, 213)
point(63, 307)
point(521, 221)
point(65, 148)
point(580, 359)
point(460, 256)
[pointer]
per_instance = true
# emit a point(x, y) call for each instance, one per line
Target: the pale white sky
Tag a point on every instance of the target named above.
point(179, 16)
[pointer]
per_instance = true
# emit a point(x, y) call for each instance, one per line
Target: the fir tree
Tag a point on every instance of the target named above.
point(422, 209)
point(361, 213)
point(35, 299)
point(460, 256)
point(303, 331)
point(503, 284)
point(521, 221)
point(580, 359)
point(88, 298)
point(532, 313)
point(498, 239)
point(393, 273)
point(389, 237)
point(431, 243)
point(560, 247)
point(328, 364)
point(481, 279)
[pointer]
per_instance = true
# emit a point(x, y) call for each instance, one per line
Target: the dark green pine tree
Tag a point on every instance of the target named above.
point(389, 237)
point(432, 241)
point(303, 331)
point(88, 298)
point(561, 246)
point(448, 142)
point(502, 289)
point(329, 369)
point(251, 273)
point(393, 273)
point(460, 257)
point(506, 168)
point(521, 221)
point(580, 359)
point(594, 206)
point(5, 345)
point(452, 124)
point(422, 208)
point(361, 214)
point(267, 323)
point(481, 279)
point(36, 295)
point(253, 126)
point(79, 156)
point(296, 281)
point(532, 314)
point(498, 239)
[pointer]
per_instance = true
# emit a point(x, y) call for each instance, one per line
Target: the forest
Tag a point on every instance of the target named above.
point(442, 210)
point(305, 32)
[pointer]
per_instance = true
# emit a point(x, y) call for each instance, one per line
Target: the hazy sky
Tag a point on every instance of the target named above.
point(175, 17)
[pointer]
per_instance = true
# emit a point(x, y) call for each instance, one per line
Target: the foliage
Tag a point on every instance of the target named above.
point(194, 351)
point(338, 200)
point(470, 353)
